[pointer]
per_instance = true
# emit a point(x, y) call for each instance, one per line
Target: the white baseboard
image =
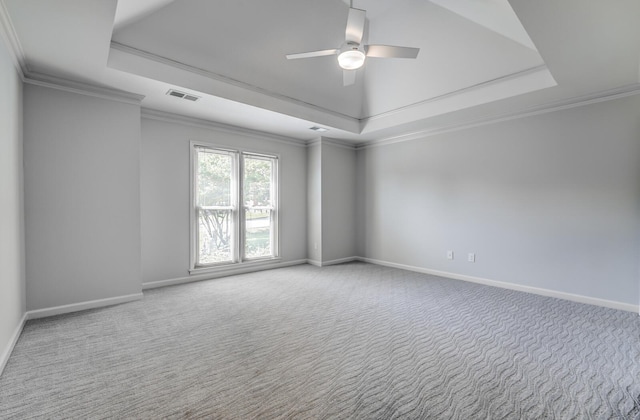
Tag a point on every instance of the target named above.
point(512, 286)
point(340, 261)
point(218, 274)
point(332, 262)
point(4, 358)
point(81, 306)
point(314, 262)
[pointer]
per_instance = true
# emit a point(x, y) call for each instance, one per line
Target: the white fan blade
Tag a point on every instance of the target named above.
point(311, 54)
point(348, 77)
point(355, 25)
point(390, 51)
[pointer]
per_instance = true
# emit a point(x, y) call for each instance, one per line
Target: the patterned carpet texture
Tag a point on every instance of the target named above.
point(354, 341)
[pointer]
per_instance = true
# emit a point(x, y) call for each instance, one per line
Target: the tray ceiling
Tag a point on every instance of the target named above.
point(473, 53)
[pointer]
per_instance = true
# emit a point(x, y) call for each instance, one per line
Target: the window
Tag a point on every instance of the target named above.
point(234, 206)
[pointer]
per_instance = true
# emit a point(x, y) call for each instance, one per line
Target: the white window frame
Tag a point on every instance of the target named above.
point(237, 208)
point(273, 208)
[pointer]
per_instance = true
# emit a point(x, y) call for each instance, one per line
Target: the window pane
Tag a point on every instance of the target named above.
point(258, 201)
point(214, 179)
point(215, 228)
point(215, 225)
point(257, 233)
point(257, 181)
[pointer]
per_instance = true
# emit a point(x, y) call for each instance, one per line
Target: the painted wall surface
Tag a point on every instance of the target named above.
point(165, 187)
point(82, 197)
point(338, 202)
point(549, 201)
point(12, 283)
point(314, 202)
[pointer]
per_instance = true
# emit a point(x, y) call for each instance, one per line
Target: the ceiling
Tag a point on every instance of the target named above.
point(478, 60)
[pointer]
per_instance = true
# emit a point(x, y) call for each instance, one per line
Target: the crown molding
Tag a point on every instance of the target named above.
point(305, 107)
point(314, 142)
point(344, 144)
point(16, 52)
point(58, 83)
point(499, 88)
point(8, 34)
point(454, 93)
point(338, 143)
point(577, 101)
point(169, 117)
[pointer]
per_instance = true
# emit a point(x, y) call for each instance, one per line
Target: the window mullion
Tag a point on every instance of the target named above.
point(236, 182)
point(242, 210)
point(197, 232)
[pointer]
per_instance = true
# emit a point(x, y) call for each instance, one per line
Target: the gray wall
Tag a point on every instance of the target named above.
point(12, 283)
point(331, 183)
point(549, 201)
point(338, 201)
point(314, 202)
point(165, 193)
point(82, 197)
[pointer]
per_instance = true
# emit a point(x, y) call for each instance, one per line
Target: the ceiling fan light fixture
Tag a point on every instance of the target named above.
point(351, 59)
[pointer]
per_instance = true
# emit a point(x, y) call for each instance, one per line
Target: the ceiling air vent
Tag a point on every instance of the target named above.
point(183, 95)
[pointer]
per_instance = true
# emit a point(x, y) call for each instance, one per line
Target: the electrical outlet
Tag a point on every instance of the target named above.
point(471, 257)
point(449, 255)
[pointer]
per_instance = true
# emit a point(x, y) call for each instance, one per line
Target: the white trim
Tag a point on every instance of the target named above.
point(154, 114)
point(314, 142)
point(6, 354)
point(340, 261)
point(8, 33)
point(237, 209)
point(578, 101)
point(225, 267)
point(146, 55)
point(511, 286)
point(81, 306)
point(193, 246)
point(335, 142)
point(483, 93)
point(83, 88)
point(231, 272)
point(454, 93)
point(318, 263)
point(231, 266)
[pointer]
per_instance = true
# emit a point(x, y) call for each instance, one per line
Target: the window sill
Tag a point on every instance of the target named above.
point(235, 266)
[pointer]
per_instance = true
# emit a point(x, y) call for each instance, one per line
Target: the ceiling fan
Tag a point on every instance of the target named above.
point(352, 53)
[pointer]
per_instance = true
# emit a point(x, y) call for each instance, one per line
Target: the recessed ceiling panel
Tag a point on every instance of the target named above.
point(247, 41)
point(455, 54)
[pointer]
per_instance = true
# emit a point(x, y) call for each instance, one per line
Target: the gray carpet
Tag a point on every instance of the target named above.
point(353, 341)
